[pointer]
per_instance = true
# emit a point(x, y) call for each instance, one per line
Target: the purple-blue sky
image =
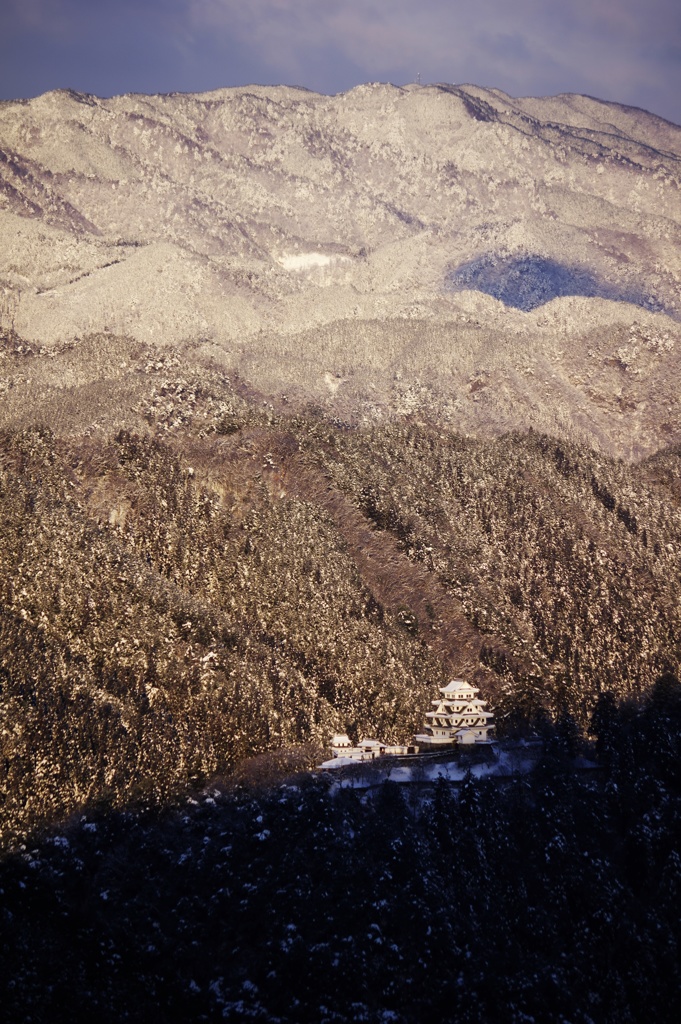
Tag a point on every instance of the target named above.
point(623, 50)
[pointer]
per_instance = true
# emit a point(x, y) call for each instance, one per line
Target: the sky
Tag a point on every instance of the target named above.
point(623, 50)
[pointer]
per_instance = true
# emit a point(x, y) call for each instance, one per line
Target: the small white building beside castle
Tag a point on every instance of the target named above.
point(459, 716)
point(366, 749)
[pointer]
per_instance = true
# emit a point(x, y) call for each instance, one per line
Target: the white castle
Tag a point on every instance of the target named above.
point(459, 717)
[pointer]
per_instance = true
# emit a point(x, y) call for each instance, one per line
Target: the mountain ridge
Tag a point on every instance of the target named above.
point(245, 216)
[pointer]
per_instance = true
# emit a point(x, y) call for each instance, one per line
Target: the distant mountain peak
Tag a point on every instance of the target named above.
point(432, 210)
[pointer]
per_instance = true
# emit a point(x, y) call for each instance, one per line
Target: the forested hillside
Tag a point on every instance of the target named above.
point(231, 580)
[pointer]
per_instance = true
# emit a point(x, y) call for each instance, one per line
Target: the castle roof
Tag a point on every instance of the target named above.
point(459, 686)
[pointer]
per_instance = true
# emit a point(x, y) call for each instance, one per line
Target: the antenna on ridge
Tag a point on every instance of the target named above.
point(418, 77)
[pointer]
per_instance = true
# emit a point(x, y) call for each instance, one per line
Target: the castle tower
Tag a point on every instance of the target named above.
point(459, 716)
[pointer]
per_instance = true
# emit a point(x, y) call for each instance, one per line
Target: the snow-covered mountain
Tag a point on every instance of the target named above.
point(499, 262)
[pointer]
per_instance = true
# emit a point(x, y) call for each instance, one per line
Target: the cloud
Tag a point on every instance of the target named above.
point(613, 48)
point(42, 16)
point(73, 19)
point(129, 45)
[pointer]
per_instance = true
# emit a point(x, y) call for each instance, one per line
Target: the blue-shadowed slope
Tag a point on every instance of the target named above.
point(527, 281)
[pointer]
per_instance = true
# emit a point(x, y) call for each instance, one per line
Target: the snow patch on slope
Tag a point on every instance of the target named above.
point(308, 260)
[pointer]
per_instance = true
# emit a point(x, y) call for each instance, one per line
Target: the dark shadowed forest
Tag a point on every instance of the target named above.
point(552, 897)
